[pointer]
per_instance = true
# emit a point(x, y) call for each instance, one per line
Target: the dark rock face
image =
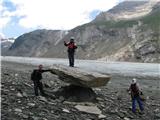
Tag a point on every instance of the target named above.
point(35, 43)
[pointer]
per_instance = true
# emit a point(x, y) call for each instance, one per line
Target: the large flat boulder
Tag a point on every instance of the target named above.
point(80, 77)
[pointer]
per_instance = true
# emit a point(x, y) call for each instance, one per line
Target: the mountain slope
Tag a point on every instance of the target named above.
point(35, 43)
point(126, 40)
point(133, 38)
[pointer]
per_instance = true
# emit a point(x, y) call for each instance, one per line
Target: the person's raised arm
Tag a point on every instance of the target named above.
point(65, 43)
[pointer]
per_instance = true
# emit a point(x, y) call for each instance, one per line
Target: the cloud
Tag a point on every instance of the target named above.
point(5, 16)
point(56, 14)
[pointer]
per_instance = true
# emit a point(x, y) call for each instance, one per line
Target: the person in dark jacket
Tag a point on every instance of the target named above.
point(71, 50)
point(36, 77)
point(135, 95)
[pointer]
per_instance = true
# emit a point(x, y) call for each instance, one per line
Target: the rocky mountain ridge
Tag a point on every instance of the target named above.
point(127, 10)
point(105, 38)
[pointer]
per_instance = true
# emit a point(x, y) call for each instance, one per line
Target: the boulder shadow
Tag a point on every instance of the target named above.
point(74, 93)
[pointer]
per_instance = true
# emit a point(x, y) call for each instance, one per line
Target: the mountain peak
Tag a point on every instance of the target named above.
point(127, 10)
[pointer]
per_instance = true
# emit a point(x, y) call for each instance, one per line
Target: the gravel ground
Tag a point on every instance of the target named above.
point(18, 101)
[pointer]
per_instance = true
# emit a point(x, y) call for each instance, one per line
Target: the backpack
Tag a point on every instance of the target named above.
point(36, 75)
point(135, 90)
point(33, 75)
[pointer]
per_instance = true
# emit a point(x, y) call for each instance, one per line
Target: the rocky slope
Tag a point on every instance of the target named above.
point(113, 102)
point(127, 10)
point(5, 44)
point(128, 32)
point(36, 43)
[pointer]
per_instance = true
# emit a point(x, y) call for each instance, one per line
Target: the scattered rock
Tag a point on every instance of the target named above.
point(16, 75)
point(19, 94)
point(35, 118)
point(157, 116)
point(43, 99)
point(89, 109)
point(101, 116)
point(125, 118)
point(25, 116)
point(156, 110)
point(31, 104)
point(65, 110)
point(18, 100)
point(24, 94)
point(18, 110)
point(121, 115)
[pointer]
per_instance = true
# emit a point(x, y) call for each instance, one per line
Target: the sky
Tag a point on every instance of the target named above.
point(21, 16)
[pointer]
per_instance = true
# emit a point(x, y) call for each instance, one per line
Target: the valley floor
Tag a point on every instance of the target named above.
point(18, 101)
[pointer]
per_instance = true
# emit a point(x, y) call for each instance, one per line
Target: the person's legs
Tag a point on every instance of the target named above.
point(40, 85)
point(134, 105)
point(70, 59)
point(35, 88)
point(140, 104)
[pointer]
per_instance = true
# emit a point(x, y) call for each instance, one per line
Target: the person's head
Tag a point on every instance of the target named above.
point(40, 67)
point(72, 39)
point(134, 81)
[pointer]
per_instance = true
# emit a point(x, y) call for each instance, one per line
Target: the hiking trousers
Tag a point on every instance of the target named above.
point(134, 99)
point(71, 58)
point(38, 85)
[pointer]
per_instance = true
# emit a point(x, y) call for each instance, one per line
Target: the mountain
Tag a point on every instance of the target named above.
point(5, 44)
point(128, 32)
point(36, 43)
point(127, 10)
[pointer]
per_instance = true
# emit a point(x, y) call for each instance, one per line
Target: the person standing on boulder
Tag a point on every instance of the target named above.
point(36, 77)
point(135, 95)
point(71, 50)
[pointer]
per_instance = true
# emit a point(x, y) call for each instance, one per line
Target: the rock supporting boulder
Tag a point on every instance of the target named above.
point(79, 77)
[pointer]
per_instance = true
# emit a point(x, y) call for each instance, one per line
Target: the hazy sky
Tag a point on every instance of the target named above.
point(21, 16)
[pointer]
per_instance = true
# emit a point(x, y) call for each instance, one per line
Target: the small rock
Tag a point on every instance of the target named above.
point(42, 99)
point(97, 89)
point(24, 94)
point(51, 103)
point(61, 98)
point(121, 115)
point(31, 104)
point(15, 75)
point(19, 95)
point(156, 110)
point(125, 118)
point(119, 97)
point(52, 111)
point(35, 118)
point(157, 116)
point(45, 119)
point(89, 109)
point(3, 99)
point(17, 110)
point(13, 89)
point(65, 110)
point(99, 99)
point(101, 116)
point(24, 116)
point(147, 97)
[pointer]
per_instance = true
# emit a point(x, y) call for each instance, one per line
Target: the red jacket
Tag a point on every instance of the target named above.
point(71, 46)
